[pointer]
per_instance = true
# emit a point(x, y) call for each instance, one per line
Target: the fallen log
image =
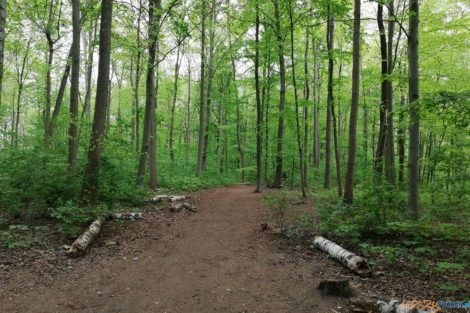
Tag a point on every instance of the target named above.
point(80, 245)
point(367, 304)
point(352, 261)
point(177, 207)
point(131, 216)
point(171, 198)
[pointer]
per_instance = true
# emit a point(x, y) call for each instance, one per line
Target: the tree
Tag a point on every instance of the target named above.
point(202, 95)
point(330, 28)
point(3, 15)
point(91, 175)
point(74, 87)
point(150, 90)
point(259, 108)
point(413, 100)
point(350, 170)
point(303, 182)
point(282, 96)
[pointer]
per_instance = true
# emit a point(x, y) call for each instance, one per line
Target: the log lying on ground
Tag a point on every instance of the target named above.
point(131, 216)
point(171, 198)
point(177, 207)
point(368, 304)
point(80, 245)
point(352, 261)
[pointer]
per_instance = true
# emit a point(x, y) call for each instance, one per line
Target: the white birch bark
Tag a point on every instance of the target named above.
point(352, 261)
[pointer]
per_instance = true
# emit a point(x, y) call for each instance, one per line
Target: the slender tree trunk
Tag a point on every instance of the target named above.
point(173, 104)
point(380, 152)
point(413, 99)
point(74, 87)
point(187, 140)
point(259, 110)
point(47, 109)
point(296, 101)
point(202, 95)
point(153, 174)
point(60, 94)
point(316, 106)
point(210, 77)
point(389, 140)
point(89, 70)
point(149, 91)
point(305, 109)
point(282, 97)
point(3, 15)
point(241, 164)
point(329, 41)
point(401, 139)
point(350, 171)
point(90, 179)
point(138, 70)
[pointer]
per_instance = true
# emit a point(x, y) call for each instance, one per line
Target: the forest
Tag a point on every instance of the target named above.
point(360, 109)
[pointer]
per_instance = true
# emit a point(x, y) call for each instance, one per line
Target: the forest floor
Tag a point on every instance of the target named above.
point(215, 260)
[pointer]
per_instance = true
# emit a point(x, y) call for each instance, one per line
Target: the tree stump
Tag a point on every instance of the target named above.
point(336, 286)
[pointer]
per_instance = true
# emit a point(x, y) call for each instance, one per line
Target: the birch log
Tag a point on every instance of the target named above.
point(80, 245)
point(352, 261)
point(132, 216)
point(160, 198)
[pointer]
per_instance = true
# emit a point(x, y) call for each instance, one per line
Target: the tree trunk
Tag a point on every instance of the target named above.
point(330, 42)
point(173, 104)
point(413, 100)
point(202, 95)
point(316, 107)
point(380, 152)
point(47, 109)
point(149, 92)
point(60, 93)
point(282, 97)
point(90, 180)
point(296, 101)
point(210, 77)
point(74, 87)
point(259, 110)
point(350, 171)
point(3, 15)
point(135, 85)
point(89, 70)
point(389, 144)
point(305, 109)
point(241, 164)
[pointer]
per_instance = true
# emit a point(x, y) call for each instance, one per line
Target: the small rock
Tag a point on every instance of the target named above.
point(135, 259)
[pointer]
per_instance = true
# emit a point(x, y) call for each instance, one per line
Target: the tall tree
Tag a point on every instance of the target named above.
point(413, 99)
point(150, 92)
point(282, 96)
point(259, 108)
point(350, 170)
point(389, 140)
point(74, 87)
point(202, 95)
point(296, 102)
point(330, 28)
point(91, 175)
point(3, 15)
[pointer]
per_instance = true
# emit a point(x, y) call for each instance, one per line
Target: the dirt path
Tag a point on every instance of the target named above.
point(216, 260)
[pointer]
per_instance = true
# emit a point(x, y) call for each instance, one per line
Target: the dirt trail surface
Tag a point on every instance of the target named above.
point(216, 260)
